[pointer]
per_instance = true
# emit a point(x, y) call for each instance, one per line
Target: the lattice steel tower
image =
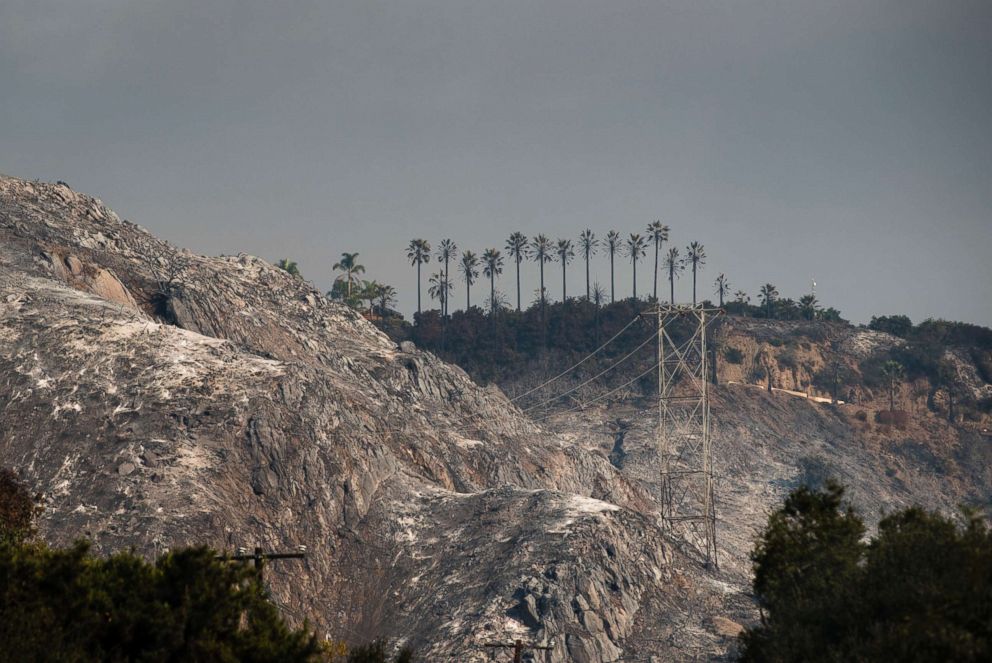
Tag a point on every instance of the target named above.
point(684, 444)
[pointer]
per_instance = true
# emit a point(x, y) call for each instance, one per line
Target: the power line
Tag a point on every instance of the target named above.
point(582, 361)
point(601, 396)
point(595, 377)
point(462, 422)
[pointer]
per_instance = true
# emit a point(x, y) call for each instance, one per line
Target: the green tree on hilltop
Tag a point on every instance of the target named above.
point(612, 246)
point(288, 265)
point(565, 253)
point(658, 235)
point(695, 256)
point(636, 249)
point(518, 249)
point(418, 252)
point(350, 269)
point(587, 245)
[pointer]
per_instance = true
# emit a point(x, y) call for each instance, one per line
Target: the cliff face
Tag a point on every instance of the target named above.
point(160, 398)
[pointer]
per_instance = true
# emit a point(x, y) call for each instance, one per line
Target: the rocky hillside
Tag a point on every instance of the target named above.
point(160, 398)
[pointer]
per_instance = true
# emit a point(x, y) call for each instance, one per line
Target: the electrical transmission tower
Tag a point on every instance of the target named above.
point(688, 510)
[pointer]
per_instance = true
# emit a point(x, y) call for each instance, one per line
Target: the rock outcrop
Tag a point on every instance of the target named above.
point(160, 398)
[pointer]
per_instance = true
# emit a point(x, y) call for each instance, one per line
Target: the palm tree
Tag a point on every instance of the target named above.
point(370, 293)
point(674, 265)
point(587, 244)
point(893, 372)
point(469, 267)
point(744, 300)
point(722, 288)
point(492, 266)
point(636, 246)
point(419, 252)
point(289, 266)
point(768, 295)
point(696, 256)
point(516, 246)
point(445, 252)
point(612, 246)
point(387, 297)
point(349, 265)
point(598, 297)
point(565, 253)
point(439, 288)
point(540, 250)
point(658, 233)
point(808, 306)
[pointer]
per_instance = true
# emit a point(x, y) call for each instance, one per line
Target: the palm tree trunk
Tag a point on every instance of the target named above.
point(635, 278)
point(587, 276)
point(693, 284)
point(444, 302)
point(612, 289)
point(542, 287)
point(492, 294)
point(656, 270)
point(518, 283)
point(468, 295)
point(671, 284)
point(418, 288)
point(563, 297)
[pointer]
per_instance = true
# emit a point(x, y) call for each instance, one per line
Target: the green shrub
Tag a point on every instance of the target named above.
point(918, 591)
point(733, 355)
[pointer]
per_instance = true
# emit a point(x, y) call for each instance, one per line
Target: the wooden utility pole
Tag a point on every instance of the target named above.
point(518, 648)
point(258, 557)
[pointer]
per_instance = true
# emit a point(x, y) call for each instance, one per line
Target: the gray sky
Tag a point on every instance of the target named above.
point(846, 141)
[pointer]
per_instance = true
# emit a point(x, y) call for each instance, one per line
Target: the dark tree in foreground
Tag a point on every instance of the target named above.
point(920, 590)
point(17, 509)
point(69, 605)
point(376, 653)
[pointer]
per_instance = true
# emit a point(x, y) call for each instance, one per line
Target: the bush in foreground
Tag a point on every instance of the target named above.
point(920, 590)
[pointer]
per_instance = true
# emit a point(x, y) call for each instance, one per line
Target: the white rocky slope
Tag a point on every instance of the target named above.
point(160, 398)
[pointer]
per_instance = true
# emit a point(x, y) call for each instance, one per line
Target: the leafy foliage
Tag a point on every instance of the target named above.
point(897, 325)
point(289, 266)
point(921, 590)
point(69, 605)
point(17, 509)
point(376, 653)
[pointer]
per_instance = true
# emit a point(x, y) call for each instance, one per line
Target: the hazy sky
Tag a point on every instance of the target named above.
point(849, 142)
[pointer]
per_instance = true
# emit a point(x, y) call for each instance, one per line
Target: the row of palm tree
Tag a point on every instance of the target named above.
point(542, 249)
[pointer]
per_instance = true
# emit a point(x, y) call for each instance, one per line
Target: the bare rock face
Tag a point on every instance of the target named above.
point(159, 398)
